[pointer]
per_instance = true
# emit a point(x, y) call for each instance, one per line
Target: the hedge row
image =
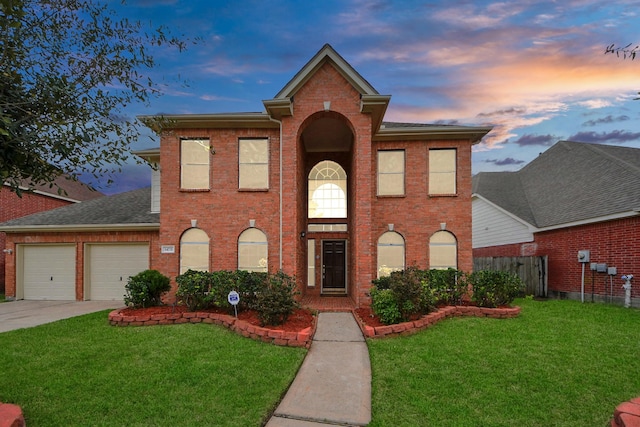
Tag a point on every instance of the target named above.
point(413, 292)
point(271, 295)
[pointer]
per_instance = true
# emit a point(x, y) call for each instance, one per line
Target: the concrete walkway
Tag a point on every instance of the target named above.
point(26, 314)
point(333, 386)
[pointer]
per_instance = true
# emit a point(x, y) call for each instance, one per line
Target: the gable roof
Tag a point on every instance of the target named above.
point(371, 102)
point(571, 182)
point(130, 210)
point(71, 190)
point(326, 54)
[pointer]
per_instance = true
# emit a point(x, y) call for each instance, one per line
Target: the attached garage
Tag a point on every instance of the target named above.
point(48, 272)
point(84, 251)
point(109, 266)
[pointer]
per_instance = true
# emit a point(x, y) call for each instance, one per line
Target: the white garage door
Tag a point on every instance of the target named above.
point(49, 272)
point(109, 267)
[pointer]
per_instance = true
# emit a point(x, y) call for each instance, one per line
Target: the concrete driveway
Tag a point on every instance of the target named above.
point(26, 314)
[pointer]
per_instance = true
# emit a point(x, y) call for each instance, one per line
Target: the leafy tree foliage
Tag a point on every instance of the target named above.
point(68, 68)
point(628, 51)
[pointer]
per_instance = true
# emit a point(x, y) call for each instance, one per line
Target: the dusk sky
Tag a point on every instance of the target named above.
point(535, 70)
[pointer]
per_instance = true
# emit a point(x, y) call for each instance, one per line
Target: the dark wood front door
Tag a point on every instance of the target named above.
point(334, 261)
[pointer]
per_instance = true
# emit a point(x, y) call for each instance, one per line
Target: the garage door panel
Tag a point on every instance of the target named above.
point(110, 267)
point(49, 272)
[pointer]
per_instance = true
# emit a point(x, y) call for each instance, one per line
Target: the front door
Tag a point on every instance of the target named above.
point(334, 271)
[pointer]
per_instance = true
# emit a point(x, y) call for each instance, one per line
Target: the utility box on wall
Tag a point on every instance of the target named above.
point(583, 256)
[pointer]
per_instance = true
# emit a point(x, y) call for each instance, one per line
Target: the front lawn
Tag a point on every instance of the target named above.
point(81, 371)
point(559, 363)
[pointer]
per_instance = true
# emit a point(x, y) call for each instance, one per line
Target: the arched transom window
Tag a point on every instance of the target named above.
point(327, 191)
point(390, 253)
point(443, 251)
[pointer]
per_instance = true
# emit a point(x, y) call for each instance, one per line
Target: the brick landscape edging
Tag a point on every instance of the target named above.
point(408, 328)
point(241, 327)
point(11, 415)
point(627, 414)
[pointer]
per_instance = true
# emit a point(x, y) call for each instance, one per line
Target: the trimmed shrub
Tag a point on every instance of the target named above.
point(248, 285)
point(385, 306)
point(494, 288)
point(400, 296)
point(194, 289)
point(383, 282)
point(146, 288)
point(223, 282)
point(407, 291)
point(445, 287)
point(276, 300)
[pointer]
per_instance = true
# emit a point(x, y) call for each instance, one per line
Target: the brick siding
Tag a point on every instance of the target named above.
point(616, 243)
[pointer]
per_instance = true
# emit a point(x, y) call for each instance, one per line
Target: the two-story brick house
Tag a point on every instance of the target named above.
point(317, 185)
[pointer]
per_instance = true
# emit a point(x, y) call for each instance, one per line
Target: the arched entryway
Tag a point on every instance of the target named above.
point(326, 143)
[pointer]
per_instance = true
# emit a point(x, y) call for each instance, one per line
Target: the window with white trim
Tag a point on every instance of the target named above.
point(442, 171)
point(443, 251)
point(194, 250)
point(253, 253)
point(194, 164)
point(253, 164)
point(391, 172)
point(390, 253)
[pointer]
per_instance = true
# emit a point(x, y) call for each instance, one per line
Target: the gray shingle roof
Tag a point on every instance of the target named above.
point(132, 207)
point(571, 181)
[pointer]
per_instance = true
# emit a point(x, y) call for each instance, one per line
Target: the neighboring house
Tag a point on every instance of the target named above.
point(317, 186)
point(42, 198)
point(573, 197)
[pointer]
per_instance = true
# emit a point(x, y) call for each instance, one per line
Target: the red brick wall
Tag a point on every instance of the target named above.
point(616, 243)
point(223, 212)
point(79, 239)
point(328, 85)
point(417, 216)
point(12, 206)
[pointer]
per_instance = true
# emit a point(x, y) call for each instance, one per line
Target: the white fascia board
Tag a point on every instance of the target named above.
point(216, 120)
point(531, 228)
point(432, 132)
point(80, 228)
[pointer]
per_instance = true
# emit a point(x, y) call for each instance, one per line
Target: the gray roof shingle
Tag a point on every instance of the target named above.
point(571, 181)
point(132, 207)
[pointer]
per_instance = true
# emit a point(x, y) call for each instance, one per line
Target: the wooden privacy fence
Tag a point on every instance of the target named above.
point(531, 269)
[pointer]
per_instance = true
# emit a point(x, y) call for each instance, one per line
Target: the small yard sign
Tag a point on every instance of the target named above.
point(234, 299)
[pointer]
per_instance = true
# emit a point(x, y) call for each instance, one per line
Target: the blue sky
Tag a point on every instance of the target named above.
point(535, 70)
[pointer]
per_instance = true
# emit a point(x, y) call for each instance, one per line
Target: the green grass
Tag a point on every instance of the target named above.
point(83, 372)
point(2, 298)
point(561, 363)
